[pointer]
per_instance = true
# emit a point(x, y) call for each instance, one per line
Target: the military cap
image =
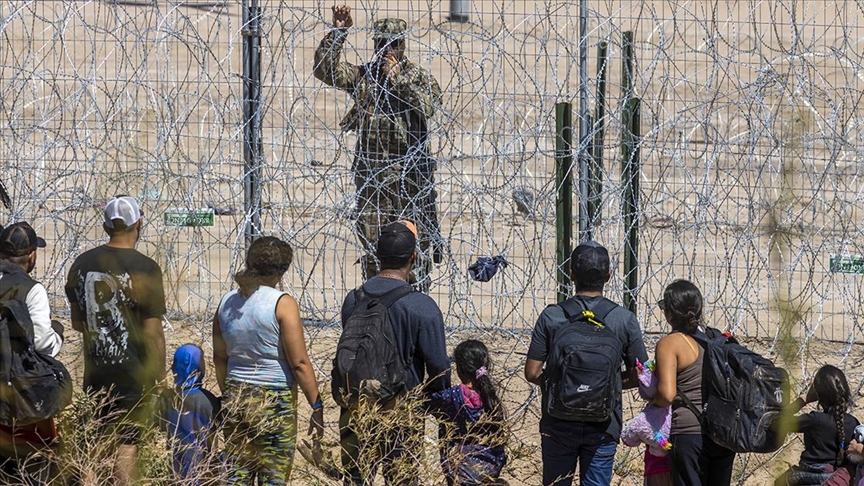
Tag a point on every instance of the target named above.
point(389, 28)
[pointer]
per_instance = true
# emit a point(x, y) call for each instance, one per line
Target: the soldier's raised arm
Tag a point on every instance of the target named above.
point(330, 67)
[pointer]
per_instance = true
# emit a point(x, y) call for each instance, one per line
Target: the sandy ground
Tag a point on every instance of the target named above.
point(522, 404)
point(750, 173)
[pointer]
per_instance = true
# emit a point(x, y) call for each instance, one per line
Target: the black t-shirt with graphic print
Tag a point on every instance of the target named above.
point(116, 290)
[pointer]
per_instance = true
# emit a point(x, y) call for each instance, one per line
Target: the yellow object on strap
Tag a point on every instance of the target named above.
point(589, 316)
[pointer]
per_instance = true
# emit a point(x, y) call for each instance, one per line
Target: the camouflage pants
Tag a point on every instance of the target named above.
point(389, 190)
point(260, 433)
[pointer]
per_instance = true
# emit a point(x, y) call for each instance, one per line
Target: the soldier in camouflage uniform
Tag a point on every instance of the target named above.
point(393, 169)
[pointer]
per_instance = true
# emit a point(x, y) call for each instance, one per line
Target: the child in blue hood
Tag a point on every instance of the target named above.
point(186, 415)
point(472, 428)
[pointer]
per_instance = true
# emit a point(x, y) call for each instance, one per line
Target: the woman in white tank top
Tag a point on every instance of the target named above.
point(260, 357)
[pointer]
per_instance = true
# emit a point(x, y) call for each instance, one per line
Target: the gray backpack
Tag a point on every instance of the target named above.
point(368, 363)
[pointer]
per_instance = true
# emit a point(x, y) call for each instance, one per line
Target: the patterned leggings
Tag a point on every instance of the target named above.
point(260, 433)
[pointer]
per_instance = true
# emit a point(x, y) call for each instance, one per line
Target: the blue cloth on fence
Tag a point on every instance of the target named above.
point(486, 267)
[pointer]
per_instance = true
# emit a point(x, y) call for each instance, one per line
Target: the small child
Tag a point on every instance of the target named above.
point(856, 455)
point(651, 427)
point(186, 414)
point(826, 432)
point(472, 428)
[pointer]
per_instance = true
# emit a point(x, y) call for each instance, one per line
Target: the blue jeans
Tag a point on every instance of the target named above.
point(566, 444)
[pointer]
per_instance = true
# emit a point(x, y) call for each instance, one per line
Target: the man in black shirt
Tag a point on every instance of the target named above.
point(117, 301)
point(590, 443)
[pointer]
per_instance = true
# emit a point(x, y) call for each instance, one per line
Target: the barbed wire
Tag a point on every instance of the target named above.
point(750, 161)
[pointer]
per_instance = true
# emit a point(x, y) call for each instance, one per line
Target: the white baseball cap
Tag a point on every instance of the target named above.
point(124, 208)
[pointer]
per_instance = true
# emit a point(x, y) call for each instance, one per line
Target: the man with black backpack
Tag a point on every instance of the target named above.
point(392, 342)
point(576, 354)
point(25, 432)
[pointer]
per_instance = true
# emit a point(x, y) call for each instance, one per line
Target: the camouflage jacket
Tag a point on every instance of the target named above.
point(390, 113)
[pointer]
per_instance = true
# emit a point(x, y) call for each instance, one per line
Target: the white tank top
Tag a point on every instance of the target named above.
point(252, 338)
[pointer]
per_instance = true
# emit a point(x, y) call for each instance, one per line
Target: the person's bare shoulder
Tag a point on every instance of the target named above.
point(669, 343)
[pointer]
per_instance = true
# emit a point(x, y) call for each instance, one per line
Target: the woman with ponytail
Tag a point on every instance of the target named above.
point(260, 359)
point(827, 431)
point(472, 428)
point(695, 459)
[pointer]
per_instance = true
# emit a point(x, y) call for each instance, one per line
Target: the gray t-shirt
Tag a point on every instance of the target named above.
point(620, 320)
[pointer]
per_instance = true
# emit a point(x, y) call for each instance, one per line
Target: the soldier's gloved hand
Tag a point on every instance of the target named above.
point(389, 64)
point(342, 17)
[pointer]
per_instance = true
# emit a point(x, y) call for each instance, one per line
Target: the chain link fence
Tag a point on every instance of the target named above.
point(750, 156)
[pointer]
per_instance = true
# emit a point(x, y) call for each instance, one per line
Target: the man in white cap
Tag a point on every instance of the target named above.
point(117, 301)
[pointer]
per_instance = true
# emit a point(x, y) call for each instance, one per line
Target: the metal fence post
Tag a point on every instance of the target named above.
point(583, 154)
point(630, 175)
point(598, 128)
point(564, 201)
point(252, 143)
point(459, 10)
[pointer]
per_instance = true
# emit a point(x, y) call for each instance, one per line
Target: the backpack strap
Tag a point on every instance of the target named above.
point(387, 299)
point(701, 338)
point(5, 344)
point(692, 406)
point(574, 306)
point(391, 297)
point(13, 310)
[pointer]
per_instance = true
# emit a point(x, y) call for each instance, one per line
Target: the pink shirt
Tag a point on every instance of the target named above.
point(656, 464)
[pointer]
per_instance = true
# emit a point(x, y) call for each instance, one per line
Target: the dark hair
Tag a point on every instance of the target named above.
point(266, 258)
point(119, 227)
point(683, 305)
point(834, 397)
point(395, 263)
point(15, 259)
point(589, 266)
point(395, 245)
point(470, 356)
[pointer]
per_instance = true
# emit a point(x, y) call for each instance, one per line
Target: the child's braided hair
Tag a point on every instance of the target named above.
point(834, 398)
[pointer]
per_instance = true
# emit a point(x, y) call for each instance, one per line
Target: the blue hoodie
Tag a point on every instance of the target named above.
point(187, 412)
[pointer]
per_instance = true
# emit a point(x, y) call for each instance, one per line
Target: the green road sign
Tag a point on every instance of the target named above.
point(847, 264)
point(189, 217)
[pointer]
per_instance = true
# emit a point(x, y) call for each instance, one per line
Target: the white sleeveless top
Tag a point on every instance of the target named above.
point(252, 338)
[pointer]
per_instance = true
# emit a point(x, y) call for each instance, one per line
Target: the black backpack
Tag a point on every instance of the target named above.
point(33, 386)
point(368, 362)
point(579, 379)
point(743, 395)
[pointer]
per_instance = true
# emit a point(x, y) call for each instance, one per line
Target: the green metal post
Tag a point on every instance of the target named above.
point(630, 177)
point(564, 201)
point(630, 174)
point(598, 127)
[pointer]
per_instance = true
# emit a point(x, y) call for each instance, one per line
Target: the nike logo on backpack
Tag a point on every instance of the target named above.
point(583, 389)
